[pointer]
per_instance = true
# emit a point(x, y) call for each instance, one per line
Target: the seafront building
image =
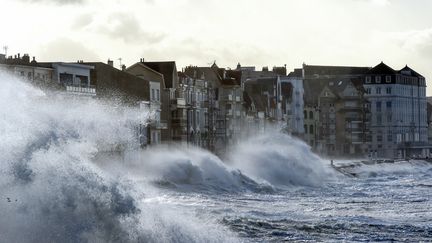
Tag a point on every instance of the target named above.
point(340, 111)
point(336, 114)
point(399, 112)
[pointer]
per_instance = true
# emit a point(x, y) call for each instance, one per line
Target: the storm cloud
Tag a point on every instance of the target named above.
point(127, 27)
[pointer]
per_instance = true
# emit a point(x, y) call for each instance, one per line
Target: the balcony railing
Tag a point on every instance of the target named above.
point(81, 89)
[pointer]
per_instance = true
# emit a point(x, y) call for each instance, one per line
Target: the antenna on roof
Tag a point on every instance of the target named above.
point(5, 48)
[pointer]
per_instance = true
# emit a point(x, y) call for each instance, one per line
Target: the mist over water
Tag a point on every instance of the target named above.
point(280, 160)
point(51, 189)
point(63, 179)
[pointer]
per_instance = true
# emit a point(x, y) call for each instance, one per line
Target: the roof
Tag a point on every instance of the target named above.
point(168, 69)
point(410, 72)
point(232, 77)
point(297, 73)
point(197, 72)
point(334, 70)
point(114, 83)
point(252, 94)
point(314, 87)
point(382, 68)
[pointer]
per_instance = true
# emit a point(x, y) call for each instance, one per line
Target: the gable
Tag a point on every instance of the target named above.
point(145, 72)
point(327, 93)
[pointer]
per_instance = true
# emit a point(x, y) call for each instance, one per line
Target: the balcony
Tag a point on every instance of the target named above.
point(159, 125)
point(178, 102)
point(81, 89)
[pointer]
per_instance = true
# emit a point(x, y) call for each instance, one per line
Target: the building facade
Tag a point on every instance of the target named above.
point(399, 112)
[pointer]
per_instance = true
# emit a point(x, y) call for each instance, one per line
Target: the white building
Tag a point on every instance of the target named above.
point(397, 99)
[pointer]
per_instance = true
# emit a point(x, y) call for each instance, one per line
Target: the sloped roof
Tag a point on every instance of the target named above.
point(407, 70)
point(382, 68)
point(252, 94)
point(168, 69)
point(334, 70)
point(297, 73)
point(208, 73)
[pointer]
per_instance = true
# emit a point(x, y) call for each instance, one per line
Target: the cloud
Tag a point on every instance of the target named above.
point(191, 51)
point(57, 2)
point(83, 21)
point(65, 49)
point(376, 2)
point(126, 26)
point(419, 41)
point(381, 2)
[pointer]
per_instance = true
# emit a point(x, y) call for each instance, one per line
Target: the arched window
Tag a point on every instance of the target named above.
point(311, 129)
point(305, 114)
point(311, 115)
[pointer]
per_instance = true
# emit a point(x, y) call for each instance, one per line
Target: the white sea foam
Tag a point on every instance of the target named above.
point(280, 160)
point(61, 181)
point(51, 191)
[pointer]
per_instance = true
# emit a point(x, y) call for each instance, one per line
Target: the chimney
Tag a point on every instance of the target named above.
point(111, 63)
point(19, 55)
point(123, 67)
point(26, 58)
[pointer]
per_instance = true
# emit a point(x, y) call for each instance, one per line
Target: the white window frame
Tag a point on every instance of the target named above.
point(368, 79)
point(378, 79)
point(388, 79)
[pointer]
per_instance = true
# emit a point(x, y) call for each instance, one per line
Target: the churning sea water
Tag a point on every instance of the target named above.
point(58, 183)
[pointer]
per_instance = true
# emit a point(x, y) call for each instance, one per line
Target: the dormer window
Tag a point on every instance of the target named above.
point(388, 79)
point(377, 79)
point(368, 79)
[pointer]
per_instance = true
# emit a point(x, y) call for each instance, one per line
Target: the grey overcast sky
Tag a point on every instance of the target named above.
point(197, 32)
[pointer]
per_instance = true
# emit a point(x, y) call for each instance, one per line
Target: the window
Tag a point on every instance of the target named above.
point(305, 114)
point(388, 79)
point(152, 94)
point(378, 90)
point(311, 115)
point(389, 118)
point(378, 106)
point(379, 138)
point(389, 104)
point(377, 79)
point(311, 129)
point(305, 128)
point(388, 90)
point(389, 138)
point(158, 95)
point(379, 120)
point(368, 91)
point(368, 79)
